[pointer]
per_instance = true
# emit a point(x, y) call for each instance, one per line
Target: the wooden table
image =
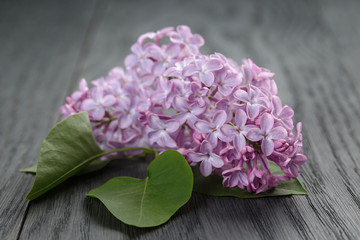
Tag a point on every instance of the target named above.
point(313, 47)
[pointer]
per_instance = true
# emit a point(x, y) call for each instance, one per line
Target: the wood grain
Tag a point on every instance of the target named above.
point(312, 46)
point(39, 47)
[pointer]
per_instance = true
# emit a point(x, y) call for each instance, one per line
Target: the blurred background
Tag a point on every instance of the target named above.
point(46, 47)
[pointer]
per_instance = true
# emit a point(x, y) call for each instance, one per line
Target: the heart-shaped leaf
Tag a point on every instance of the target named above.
point(67, 148)
point(212, 186)
point(151, 201)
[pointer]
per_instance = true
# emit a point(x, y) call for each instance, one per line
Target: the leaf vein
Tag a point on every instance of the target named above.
point(142, 200)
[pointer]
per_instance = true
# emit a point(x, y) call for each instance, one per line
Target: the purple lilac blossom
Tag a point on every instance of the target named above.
point(225, 117)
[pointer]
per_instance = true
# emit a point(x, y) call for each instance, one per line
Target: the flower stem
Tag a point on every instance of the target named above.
point(146, 150)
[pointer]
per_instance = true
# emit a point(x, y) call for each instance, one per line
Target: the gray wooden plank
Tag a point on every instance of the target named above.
point(39, 46)
point(295, 40)
point(343, 23)
point(307, 58)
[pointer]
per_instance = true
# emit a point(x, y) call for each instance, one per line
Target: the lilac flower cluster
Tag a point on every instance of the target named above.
point(225, 117)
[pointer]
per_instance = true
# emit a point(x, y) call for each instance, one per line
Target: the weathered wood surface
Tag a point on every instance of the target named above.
point(312, 46)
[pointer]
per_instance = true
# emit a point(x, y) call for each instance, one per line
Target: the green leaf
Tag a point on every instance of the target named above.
point(212, 186)
point(95, 165)
point(67, 148)
point(151, 201)
point(31, 169)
